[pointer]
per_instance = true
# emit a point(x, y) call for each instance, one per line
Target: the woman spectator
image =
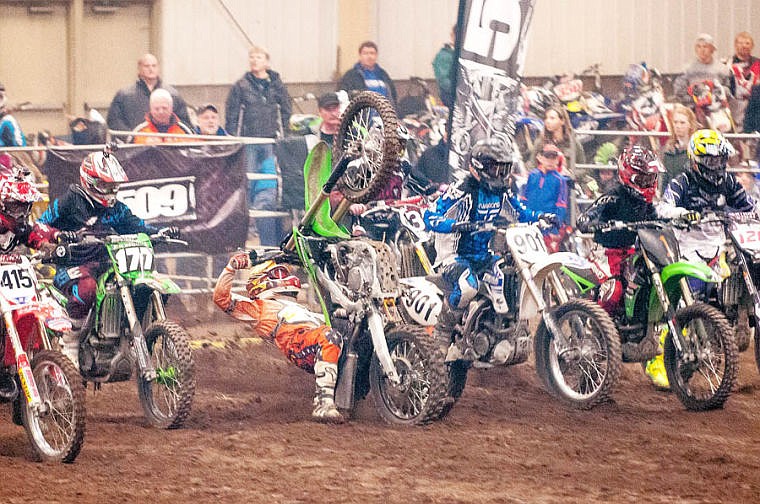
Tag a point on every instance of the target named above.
point(674, 154)
point(559, 131)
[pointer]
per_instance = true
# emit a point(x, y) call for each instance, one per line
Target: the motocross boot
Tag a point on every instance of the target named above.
point(8, 387)
point(444, 329)
point(71, 341)
point(324, 401)
point(655, 368)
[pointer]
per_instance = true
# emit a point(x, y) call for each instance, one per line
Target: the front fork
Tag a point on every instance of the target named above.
point(144, 365)
point(25, 374)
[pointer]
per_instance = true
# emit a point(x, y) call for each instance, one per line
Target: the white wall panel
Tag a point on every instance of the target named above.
point(202, 45)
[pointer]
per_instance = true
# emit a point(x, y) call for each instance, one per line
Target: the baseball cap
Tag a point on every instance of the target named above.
point(550, 151)
point(706, 38)
point(328, 100)
point(205, 107)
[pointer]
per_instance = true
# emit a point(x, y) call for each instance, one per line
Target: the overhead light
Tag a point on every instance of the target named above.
point(39, 8)
point(104, 9)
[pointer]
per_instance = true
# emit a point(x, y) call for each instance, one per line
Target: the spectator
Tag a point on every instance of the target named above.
point(444, 67)
point(546, 190)
point(129, 106)
point(752, 116)
point(160, 119)
point(208, 121)
point(328, 106)
point(259, 106)
point(366, 74)
point(674, 155)
point(705, 67)
point(559, 131)
point(10, 131)
point(745, 73)
point(607, 180)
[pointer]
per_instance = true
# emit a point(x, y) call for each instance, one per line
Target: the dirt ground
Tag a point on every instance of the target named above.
point(249, 439)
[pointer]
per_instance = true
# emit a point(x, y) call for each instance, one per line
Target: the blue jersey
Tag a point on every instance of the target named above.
point(468, 201)
point(546, 192)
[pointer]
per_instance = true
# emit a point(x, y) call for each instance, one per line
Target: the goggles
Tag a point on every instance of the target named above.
point(644, 180)
point(713, 163)
point(550, 154)
point(17, 209)
point(106, 187)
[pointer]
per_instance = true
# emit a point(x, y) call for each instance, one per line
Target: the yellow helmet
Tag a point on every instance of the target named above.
point(709, 152)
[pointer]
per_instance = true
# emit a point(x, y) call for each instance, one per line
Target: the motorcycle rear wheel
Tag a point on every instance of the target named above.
point(702, 378)
point(168, 399)
point(56, 431)
point(420, 364)
point(584, 373)
point(368, 127)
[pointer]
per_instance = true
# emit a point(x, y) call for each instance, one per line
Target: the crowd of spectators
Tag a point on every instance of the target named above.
point(259, 105)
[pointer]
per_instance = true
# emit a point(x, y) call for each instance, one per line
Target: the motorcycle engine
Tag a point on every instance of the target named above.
point(366, 268)
point(105, 353)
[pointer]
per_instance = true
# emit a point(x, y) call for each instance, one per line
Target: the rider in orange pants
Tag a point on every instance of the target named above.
point(276, 318)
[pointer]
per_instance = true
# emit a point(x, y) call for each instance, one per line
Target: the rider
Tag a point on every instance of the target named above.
point(88, 205)
point(17, 195)
point(463, 255)
point(638, 169)
point(276, 318)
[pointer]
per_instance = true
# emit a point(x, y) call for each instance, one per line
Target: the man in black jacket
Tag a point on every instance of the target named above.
point(259, 106)
point(129, 106)
point(366, 74)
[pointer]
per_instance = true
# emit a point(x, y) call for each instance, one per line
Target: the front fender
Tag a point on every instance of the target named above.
point(671, 276)
point(540, 270)
point(159, 283)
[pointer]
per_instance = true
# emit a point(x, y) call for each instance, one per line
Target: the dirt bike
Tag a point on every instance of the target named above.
point(700, 355)
point(424, 118)
point(52, 405)
point(127, 326)
point(711, 105)
point(737, 295)
point(399, 224)
point(644, 103)
point(356, 279)
point(576, 345)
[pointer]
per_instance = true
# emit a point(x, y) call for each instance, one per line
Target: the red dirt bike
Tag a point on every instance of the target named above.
point(51, 407)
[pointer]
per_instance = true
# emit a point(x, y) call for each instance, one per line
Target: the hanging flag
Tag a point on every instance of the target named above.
point(491, 43)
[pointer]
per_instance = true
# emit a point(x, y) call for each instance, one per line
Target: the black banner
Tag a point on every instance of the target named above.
point(491, 36)
point(200, 189)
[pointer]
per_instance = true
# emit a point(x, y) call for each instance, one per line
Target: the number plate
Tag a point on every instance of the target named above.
point(412, 220)
point(18, 282)
point(747, 235)
point(133, 258)
point(526, 243)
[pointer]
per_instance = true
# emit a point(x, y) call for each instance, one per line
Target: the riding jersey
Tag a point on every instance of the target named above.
point(300, 334)
point(75, 210)
point(617, 205)
point(469, 201)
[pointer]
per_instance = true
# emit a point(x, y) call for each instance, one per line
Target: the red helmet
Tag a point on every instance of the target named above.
point(269, 278)
point(101, 175)
point(16, 197)
point(638, 169)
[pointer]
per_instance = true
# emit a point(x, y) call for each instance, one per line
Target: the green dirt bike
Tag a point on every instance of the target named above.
point(701, 358)
point(127, 326)
point(356, 279)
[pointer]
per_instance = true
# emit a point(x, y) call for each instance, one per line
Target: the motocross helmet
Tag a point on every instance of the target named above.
point(637, 170)
point(709, 152)
point(269, 278)
point(492, 161)
point(101, 176)
point(16, 197)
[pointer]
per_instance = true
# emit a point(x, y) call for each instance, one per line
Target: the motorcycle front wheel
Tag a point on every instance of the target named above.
point(581, 365)
point(167, 400)
point(56, 430)
point(368, 133)
point(703, 375)
point(421, 393)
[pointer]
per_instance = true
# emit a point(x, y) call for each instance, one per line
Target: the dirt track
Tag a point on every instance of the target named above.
point(249, 439)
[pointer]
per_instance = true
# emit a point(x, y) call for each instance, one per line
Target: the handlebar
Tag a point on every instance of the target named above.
point(636, 225)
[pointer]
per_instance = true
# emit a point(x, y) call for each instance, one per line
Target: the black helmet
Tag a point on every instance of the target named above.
point(492, 160)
